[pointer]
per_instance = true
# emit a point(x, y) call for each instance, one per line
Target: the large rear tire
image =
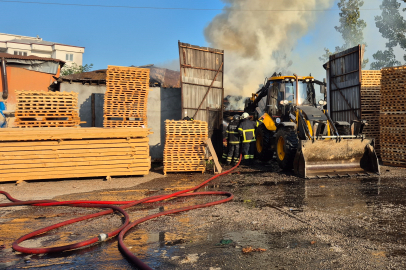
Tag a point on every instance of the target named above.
point(286, 145)
point(263, 144)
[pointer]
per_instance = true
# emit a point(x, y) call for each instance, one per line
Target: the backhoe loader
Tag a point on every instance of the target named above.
point(299, 132)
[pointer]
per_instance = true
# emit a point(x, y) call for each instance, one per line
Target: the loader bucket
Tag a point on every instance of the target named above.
point(330, 158)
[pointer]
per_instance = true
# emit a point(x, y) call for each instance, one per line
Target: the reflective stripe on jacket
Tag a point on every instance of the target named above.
point(232, 132)
point(247, 130)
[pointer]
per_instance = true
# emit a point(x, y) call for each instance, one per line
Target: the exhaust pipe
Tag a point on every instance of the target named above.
point(4, 79)
point(297, 89)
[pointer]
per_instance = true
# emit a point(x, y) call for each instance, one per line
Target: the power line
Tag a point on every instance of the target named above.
point(178, 8)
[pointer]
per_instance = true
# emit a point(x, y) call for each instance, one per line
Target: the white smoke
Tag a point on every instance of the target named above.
point(235, 103)
point(258, 41)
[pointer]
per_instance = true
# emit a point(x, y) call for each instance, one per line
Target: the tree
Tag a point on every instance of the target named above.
point(351, 27)
point(384, 59)
point(74, 68)
point(392, 26)
point(326, 56)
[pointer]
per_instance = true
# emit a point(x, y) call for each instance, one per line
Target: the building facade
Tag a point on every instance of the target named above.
point(27, 46)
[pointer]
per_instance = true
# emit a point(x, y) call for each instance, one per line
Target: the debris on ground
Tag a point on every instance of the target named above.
point(175, 242)
point(224, 242)
point(250, 249)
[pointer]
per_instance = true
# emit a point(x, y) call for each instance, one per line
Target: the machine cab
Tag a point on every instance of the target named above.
point(282, 93)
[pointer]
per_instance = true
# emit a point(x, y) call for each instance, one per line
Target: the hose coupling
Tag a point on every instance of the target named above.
point(102, 237)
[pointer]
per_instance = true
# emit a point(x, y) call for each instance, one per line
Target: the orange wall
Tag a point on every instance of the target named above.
point(24, 79)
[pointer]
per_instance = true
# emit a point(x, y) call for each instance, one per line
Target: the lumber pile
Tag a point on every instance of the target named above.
point(370, 104)
point(50, 153)
point(393, 116)
point(125, 101)
point(46, 109)
point(185, 146)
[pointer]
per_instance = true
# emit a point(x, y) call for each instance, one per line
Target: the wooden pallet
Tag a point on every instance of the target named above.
point(371, 78)
point(48, 153)
point(185, 148)
point(46, 109)
point(370, 104)
point(126, 97)
point(393, 116)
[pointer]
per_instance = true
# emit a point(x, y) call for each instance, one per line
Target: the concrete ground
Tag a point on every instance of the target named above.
point(275, 221)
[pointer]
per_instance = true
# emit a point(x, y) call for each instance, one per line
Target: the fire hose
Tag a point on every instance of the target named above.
point(123, 229)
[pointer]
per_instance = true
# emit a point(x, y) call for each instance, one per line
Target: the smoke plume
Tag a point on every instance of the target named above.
point(257, 36)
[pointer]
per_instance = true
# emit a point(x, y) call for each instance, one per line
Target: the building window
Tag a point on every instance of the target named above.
point(69, 57)
point(20, 53)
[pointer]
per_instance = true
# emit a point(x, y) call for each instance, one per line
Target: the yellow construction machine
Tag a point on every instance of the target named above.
point(299, 132)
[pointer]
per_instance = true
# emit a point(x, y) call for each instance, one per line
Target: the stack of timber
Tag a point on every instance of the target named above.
point(125, 101)
point(50, 153)
point(46, 109)
point(370, 104)
point(393, 116)
point(185, 146)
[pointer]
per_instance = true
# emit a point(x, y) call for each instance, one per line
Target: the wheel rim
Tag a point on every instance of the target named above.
point(280, 148)
point(259, 143)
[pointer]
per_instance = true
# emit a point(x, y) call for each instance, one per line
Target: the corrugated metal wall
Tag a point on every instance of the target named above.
point(200, 68)
point(345, 83)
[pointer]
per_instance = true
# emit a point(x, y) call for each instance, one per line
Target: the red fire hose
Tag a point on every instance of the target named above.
point(123, 229)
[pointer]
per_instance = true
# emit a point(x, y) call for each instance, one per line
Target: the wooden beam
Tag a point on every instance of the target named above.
point(214, 155)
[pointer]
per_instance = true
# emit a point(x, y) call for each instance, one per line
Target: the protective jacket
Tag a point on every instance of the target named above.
point(232, 132)
point(247, 130)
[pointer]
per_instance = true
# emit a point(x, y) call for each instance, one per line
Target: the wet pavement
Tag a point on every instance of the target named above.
point(341, 223)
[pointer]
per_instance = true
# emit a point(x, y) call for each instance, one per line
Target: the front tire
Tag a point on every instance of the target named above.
point(286, 145)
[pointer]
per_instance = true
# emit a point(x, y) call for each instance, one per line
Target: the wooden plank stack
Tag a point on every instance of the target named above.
point(393, 116)
point(50, 153)
point(46, 109)
point(185, 146)
point(370, 104)
point(125, 101)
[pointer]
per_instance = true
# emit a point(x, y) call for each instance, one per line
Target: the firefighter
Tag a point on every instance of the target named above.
point(233, 141)
point(247, 134)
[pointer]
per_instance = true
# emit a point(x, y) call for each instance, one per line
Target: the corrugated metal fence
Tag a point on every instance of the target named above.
point(201, 74)
point(345, 83)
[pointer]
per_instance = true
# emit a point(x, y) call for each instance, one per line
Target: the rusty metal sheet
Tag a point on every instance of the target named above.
point(344, 79)
point(160, 77)
point(96, 75)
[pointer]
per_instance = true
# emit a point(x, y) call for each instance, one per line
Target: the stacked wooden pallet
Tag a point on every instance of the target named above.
point(49, 153)
point(370, 104)
point(46, 109)
point(393, 116)
point(185, 146)
point(125, 101)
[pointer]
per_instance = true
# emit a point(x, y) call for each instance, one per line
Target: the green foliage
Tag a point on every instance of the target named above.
point(326, 56)
point(384, 59)
point(74, 68)
point(392, 26)
point(351, 27)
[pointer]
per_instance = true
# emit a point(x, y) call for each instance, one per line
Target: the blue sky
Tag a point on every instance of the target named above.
point(129, 36)
point(113, 36)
